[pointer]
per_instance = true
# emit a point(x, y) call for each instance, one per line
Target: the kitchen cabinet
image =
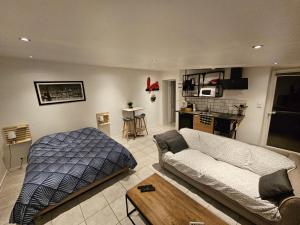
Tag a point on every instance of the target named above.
point(223, 124)
point(225, 127)
point(235, 84)
point(203, 123)
point(185, 120)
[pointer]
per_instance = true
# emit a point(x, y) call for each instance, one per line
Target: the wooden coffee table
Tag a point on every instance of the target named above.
point(167, 205)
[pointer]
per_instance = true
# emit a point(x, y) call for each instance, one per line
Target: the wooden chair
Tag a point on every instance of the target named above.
point(128, 128)
point(141, 123)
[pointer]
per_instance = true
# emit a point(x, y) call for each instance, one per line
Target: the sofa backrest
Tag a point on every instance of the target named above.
point(254, 158)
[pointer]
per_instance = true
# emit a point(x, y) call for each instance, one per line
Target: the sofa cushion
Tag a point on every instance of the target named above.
point(176, 144)
point(238, 184)
point(162, 144)
point(192, 137)
point(264, 161)
point(171, 141)
point(275, 186)
point(218, 147)
point(256, 159)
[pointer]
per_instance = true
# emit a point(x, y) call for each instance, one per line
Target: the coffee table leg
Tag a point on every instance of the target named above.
point(127, 212)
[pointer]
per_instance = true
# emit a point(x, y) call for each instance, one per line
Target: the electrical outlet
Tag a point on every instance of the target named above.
point(197, 223)
point(21, 161)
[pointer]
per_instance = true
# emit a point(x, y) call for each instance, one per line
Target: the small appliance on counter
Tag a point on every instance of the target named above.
point(190, 105)
point(184, 104)
point(241, 109)
point(186, 107)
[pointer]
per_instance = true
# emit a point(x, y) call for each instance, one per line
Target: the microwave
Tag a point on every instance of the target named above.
point(215, 91)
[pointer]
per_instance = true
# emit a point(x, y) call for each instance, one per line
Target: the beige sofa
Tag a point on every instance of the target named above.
point(229, 170)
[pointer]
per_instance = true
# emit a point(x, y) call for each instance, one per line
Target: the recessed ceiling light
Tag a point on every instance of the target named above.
point(257, 46)
point(31, 56)
point(25, 39)
point(275, 63)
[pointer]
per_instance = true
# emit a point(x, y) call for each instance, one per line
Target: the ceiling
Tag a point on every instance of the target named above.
point(153, 34)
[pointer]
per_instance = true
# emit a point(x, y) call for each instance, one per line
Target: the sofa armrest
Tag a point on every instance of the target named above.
point(289, 209)
point(160, 153)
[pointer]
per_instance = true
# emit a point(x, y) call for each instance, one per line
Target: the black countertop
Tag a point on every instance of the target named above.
point(227, 116)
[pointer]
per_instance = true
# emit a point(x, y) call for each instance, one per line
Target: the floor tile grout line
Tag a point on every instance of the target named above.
point(124, 186)
point(85, 218)
point(112, 210)
point(81, 211)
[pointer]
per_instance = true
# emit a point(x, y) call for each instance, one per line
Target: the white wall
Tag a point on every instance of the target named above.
point(107, 89)
point(250, 130)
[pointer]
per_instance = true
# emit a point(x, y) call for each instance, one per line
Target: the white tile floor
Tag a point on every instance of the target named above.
point(105, 205)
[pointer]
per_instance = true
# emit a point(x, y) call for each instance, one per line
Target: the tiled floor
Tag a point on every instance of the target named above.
point(105, 205)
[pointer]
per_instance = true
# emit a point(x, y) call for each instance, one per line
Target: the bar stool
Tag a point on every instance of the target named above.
point(128, 128)
point(141, 123)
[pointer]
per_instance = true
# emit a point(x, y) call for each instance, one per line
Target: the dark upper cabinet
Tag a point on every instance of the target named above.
point(241, 83)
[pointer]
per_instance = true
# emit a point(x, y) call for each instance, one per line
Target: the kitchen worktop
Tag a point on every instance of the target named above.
point(227, 116)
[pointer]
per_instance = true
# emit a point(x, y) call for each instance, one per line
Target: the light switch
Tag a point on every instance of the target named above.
point(259, 105)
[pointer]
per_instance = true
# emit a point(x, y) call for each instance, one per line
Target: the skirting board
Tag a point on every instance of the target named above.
point(10, 170)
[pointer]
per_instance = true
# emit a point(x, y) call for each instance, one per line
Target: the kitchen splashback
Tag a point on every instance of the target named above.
point(217, 104)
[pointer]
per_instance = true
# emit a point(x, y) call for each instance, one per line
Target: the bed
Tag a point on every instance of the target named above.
point(64, 164)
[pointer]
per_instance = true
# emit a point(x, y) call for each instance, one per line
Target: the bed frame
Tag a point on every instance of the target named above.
point(81, 191)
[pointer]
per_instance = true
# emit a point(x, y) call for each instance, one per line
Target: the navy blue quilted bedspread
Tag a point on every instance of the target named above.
point(61, 163)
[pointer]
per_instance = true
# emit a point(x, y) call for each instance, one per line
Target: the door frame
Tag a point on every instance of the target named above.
point(166, 104)
point(269, 106)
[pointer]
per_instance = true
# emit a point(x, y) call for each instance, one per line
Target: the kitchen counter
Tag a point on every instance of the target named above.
point(227, 116)
point(224, 124)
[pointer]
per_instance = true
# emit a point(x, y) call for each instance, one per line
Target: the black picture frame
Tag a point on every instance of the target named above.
point(58, 92)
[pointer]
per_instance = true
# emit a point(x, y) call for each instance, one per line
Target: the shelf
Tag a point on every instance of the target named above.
point(21, 126)
point(102, 119)
point(103, 124)
point(201, 79)
point(21, 141)
point(22, 134)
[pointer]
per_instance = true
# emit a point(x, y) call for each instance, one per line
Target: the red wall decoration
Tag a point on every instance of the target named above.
point(152, 87)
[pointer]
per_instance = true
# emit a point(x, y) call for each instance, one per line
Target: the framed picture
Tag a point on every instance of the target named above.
point(55, 92)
